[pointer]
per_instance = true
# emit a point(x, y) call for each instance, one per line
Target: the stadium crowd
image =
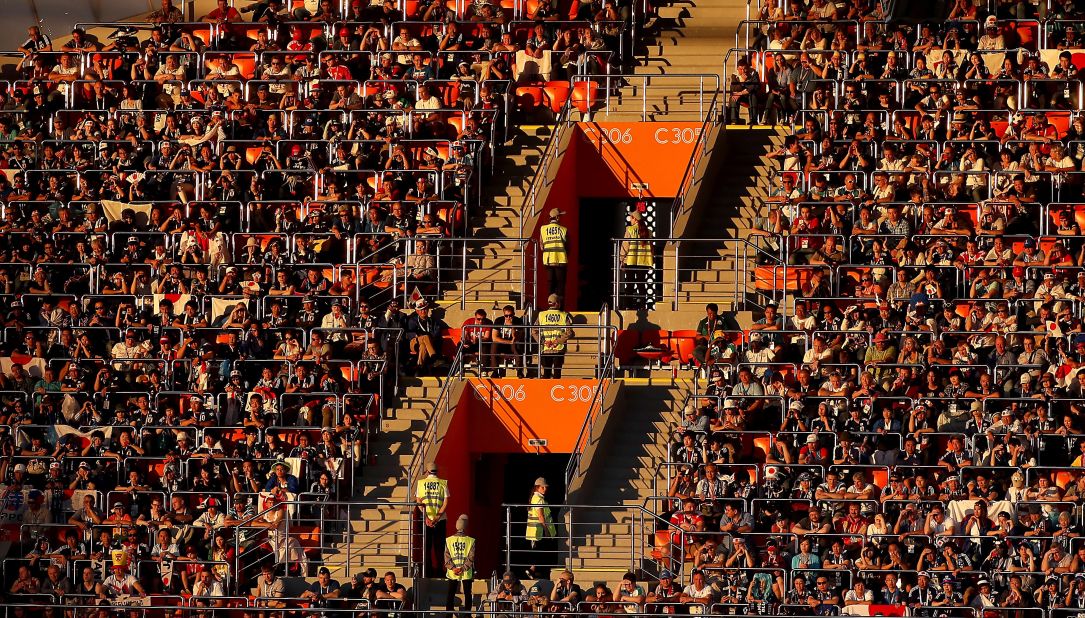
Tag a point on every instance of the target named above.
point(219, 246)
point(915, 401)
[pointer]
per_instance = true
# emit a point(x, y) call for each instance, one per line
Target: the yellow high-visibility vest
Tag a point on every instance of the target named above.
point(553, 237)
point(459, 548)
point(535, 529)
point(637, 253)
point(431, 492)
point(554, 323)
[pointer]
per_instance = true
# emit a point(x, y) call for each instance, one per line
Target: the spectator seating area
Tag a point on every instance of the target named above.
point(209, 231)
point(904, 430)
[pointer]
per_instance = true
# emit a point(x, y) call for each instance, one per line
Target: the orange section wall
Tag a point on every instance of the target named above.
point(603, 160)
point(500, 416)
point(612, 156)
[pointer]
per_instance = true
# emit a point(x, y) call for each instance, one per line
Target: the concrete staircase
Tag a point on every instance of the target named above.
point(493, 262)
point(707, 272)
point(380, 534)
point(690, 38)
point(607, 541)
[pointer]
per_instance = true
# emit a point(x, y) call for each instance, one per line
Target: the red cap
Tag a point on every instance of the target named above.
point(295, 149)
point(344, 32)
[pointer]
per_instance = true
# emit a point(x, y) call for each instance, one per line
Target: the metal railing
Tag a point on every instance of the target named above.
point(679, 206)
point(595, 408)
point(692, 271)
point(306, 532)
point(458, 263)
point(541, 179)
point(600, 92)
point(442, 406)
point(588, 353)
point(616, 539)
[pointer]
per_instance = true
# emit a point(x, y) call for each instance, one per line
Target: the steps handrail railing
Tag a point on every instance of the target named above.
point(606, 380)
point(729, 246)
point(455, 374)
point(539, 181)
point(700, 150)
point(709, 82)
point(295, 517)
point(644, 525)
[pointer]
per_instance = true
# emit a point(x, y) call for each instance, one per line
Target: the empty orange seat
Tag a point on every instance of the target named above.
point(585, 96)
point(529, 98)
point(761, 447)
point(624, 345)
point(557, 92)
point(455, 124)
point(451, 94)
point(682, 344)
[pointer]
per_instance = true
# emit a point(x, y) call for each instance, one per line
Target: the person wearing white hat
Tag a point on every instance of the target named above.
point(459, 564)
point(554, 332)
point(636, 259)
point(540, 529)
point(553, 238)
point(423, 333)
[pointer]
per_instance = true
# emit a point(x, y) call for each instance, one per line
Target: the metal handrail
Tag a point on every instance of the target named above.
point(741, 250)
point(606, 380)
point(700, 150)
point(539, 181)
point(640, 541)
point(441, 405)
point(708, 82)
point(528, 346)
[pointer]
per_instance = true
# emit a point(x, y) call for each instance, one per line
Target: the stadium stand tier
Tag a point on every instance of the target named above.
point(258, 259)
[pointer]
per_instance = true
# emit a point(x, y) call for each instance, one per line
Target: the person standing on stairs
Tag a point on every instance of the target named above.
point(554, 334)
point(432, 496)
point(553, 237)
point(459, 565)
point(636, 259)
point(541, 532)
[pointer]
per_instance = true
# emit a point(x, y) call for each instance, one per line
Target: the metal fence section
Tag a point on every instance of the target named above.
point(308, 532)
point(588, 353)
point(606, 541)
point(599, 96)
point(694, 271)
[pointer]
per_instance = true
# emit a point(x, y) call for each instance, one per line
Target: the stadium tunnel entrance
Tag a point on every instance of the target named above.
point(508, 478)
point(504, 434)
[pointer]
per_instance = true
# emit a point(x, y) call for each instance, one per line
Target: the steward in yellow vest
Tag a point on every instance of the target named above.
point(553, 238)
point(554, 333)
point(541, 532)
point(432, 497)
point(459, 565)
point(636, 259)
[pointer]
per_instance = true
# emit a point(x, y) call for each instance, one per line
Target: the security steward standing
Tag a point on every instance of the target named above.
point(432, 497)
point(553, 237)
point(541, 532)
point(554, 333)
point(459, 565)
point(636, 257)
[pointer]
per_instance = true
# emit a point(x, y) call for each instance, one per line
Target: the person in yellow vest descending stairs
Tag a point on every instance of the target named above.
point(554, 333)
point(459, 565)
point(432, 497)
point(636, 262)
point(541, 532)
point(553, 238)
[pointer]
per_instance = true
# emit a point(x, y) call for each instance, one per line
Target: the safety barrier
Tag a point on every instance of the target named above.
point(615, 539)
point(596, 93)
point(694, 271)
